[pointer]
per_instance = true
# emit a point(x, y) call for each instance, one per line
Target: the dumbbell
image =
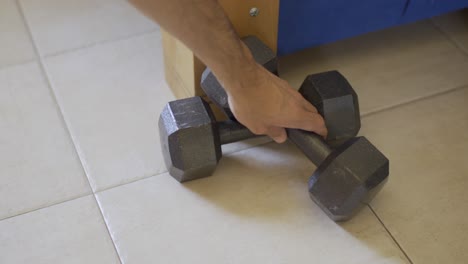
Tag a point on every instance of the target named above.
point(339, 106)
point(350, 175)
point(187, 159)
point(192, 139)
point(262, 54)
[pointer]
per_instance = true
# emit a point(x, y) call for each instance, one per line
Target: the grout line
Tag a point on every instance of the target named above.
point(65, 123)
point(124, 183)
point(99, 43)
point(414, 100)
point(47, 206)
point(163, 172)
point(10, 65)
point(450, 38)
point(52, 93)
point(129, 182)
point(107, 228)
point(91, 192)
point(390, 234)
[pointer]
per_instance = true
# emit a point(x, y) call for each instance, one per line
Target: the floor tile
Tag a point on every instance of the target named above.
point(255, 209)
point(16, 45)
point(456, 26)
point(59, 25)
point(112, 95)
point(38, 163)
point(425, 203)
point(71, 232)
point(388, 67)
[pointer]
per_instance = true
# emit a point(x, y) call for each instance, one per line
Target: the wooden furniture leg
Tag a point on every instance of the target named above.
point(183, 69)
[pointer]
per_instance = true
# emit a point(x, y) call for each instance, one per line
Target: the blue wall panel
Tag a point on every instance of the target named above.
point(307, 23)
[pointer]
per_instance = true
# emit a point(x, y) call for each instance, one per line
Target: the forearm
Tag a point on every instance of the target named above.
point(202, 26)
point(260, 100)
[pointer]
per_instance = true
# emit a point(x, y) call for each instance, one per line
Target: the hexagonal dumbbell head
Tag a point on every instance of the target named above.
point(348, 178)
point(337, 102)
point(190, 143)
point(262, 54)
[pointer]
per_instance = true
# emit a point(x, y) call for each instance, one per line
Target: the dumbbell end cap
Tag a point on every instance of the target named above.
point(190, 146)
point(349, 178)
point(337, 102)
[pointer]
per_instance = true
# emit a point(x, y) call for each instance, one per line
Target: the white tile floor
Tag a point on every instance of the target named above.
point(16, 45)
point(82, 177)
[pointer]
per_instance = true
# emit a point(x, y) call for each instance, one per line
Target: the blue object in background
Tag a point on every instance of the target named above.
point(308, 23)
point(421, 9)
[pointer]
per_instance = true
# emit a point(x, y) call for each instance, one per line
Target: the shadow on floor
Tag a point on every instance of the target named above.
point(268, 185)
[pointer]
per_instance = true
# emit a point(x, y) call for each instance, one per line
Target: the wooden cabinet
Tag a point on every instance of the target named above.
point(183, 69)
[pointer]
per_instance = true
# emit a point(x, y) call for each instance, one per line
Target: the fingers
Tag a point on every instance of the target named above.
point(307, 105)
point(317, 125)
point(301, 101)
point(314, 123)
point(298, 119)
point(278, 134)
point(309, 119)
point(305, 117)
point(305, 120)
point(281, 107)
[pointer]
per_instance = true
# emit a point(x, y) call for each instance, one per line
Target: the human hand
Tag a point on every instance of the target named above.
point(267, 105)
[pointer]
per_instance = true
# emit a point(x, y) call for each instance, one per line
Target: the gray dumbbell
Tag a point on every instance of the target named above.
point(191, 138)
point(183, 120)
point(350, 175)
point(339, 106)
point(347, 177)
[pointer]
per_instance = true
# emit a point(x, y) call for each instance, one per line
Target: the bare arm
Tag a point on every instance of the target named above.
point(203, 26)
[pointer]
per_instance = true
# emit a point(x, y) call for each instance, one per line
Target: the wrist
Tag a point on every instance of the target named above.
point(236, 72)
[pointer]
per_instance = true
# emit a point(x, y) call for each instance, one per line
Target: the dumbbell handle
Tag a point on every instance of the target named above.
point(232, 131)
point(311, 144)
